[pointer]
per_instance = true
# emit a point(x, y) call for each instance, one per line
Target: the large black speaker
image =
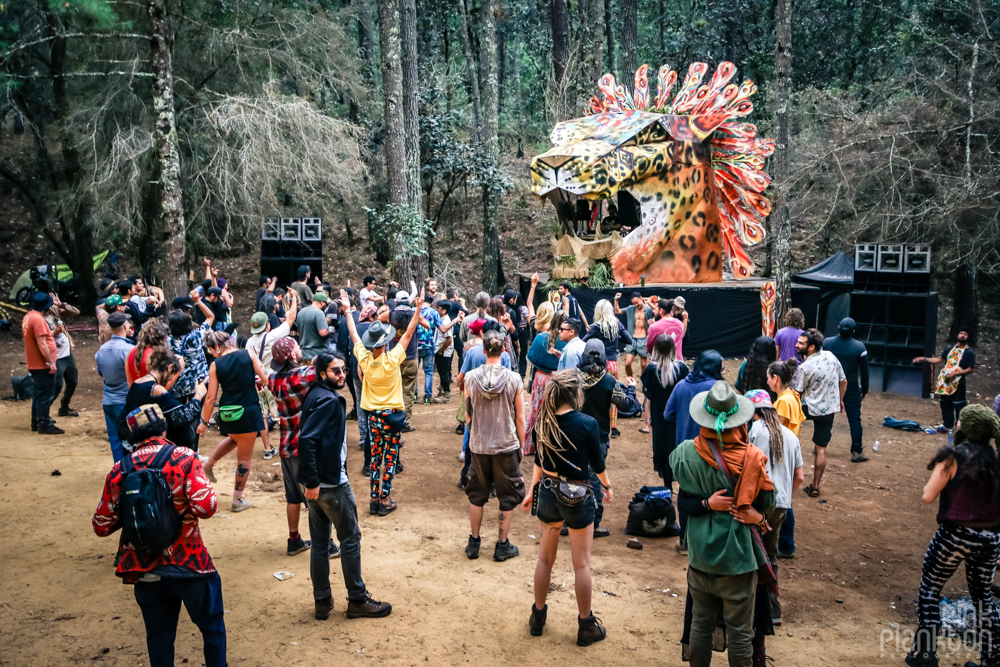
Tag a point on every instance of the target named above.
point(903, 269)
point(288, 243)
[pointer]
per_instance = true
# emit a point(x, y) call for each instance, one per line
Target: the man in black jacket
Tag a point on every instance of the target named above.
point(853, 357)
point(323, 473)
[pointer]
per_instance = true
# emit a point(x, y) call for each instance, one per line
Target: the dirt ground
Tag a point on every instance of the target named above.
point(846, 595)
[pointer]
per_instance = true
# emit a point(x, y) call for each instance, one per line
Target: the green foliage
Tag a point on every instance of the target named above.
point(566, 260)
point(402, 228)
point(601, 276)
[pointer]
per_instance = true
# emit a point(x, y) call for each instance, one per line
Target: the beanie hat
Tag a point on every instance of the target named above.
point(979, 423)
point(281, 351)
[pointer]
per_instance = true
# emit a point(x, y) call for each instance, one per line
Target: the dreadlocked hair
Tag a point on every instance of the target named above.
point(554, 324)
point(564, 387)
point(777, 439)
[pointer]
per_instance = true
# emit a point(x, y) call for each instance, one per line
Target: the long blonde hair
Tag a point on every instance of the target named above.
point(604, 317)
point(564, 387)
point(543, 316)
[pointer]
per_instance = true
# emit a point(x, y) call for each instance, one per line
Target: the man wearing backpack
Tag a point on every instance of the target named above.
point(156, 494)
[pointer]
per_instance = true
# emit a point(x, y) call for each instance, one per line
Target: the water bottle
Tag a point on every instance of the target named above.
point(642, 280)
point(875, 446)
point(949, 436)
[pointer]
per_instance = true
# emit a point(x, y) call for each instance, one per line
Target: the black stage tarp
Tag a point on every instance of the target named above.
point(724, 316)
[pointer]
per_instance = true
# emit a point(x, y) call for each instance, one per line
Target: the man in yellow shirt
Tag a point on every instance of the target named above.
point(382, 399)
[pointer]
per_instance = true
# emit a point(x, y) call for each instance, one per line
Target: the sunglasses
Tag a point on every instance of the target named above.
point(338, 371)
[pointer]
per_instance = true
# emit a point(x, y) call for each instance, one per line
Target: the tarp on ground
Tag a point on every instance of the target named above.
point(724, 316)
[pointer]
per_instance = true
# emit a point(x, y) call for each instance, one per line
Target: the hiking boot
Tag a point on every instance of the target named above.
point(298, 545)
point(460, 429)
point(385, 508)
point(369, 608)
point(782, 554)
point(601, 532)
point(269, 453)
point(437, 400)
point(472, 548)
point(615, 433)
point(504, 551)
point(334, 550)
point(858, 458)
point(68, 412)
point(50, 429)
point(537, 620)
point(924, 659)
point(241, 504)
point(323, 608)
point(591, 630)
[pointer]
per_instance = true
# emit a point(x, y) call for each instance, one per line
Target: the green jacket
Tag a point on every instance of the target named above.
point(717, 543)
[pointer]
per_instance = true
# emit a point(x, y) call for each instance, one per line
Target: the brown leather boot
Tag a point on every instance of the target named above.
point(537, 620)
point(591, 630)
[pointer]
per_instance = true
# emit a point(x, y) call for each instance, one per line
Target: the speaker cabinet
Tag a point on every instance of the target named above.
point(288, 243)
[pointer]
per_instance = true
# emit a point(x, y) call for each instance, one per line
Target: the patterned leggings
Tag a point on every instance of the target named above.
point(980, 549)
point(385, 453)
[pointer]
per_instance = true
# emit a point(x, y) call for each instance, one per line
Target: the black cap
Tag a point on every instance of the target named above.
point(182, 303)
point(117, 320)
point(41, 301)
point(214, 291)
point(847, 325)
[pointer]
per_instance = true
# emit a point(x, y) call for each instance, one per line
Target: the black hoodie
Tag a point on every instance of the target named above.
point(322, 438)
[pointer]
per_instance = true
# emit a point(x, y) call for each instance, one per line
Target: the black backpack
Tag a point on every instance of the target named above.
point(150, 522)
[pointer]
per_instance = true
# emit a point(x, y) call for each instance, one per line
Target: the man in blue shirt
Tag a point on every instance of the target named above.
point(853, 357)
point(569, 333)
point(111, 358)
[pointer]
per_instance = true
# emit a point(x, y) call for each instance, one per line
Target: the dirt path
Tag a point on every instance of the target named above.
point(855, 572)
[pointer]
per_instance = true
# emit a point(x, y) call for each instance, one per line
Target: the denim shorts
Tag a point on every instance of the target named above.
point(551, 510)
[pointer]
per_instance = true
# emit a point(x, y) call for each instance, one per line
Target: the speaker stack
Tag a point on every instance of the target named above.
point(288, 243)
point(896, 314)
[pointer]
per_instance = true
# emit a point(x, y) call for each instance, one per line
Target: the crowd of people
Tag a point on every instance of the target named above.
point(733, 452)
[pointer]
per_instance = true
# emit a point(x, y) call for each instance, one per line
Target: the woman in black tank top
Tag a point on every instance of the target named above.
point(240, 418)
point(966, 475)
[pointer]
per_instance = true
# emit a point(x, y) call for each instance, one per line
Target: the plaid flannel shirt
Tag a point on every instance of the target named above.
point(290, 389)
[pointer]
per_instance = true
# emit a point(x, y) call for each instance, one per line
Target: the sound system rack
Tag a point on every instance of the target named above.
point(896, 315)
point(288, 243)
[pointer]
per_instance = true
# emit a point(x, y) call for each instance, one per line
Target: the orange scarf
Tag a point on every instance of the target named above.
point(746, 463)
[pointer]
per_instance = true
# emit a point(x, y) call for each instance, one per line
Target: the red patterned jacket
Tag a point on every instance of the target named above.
point(194, 498)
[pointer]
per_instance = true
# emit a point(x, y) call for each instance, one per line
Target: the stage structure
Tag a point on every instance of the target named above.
point(696, 173)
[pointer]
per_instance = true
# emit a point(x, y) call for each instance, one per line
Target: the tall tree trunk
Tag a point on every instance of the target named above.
point(501, 64)
point(966, 303)
point(471, 75)
point(518, 107)
point(609, 31)
point(559, 17)
point(781, 224)
point(411, 121)
point(493, 277)
point(168, 162)
point(365, 42)
point(630, 41)
point(660, 24)
point(590, 32)
point(394, 143)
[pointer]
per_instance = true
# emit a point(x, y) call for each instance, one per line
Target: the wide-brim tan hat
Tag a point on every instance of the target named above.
point(721, 400)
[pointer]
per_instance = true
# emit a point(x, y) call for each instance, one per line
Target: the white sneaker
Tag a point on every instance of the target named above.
point(269, 453)
point(241, 505)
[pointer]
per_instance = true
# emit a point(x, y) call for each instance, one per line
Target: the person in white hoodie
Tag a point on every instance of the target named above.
point(494, 412)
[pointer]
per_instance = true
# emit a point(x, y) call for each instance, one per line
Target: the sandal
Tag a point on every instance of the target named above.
point(644, 430)
point(810, 491)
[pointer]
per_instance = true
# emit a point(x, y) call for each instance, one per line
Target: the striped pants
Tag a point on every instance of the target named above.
point(980, 549)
